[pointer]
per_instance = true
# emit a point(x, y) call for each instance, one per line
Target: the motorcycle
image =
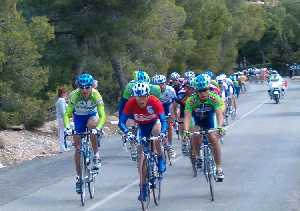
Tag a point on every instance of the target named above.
point(276, 95)
point(275, 92)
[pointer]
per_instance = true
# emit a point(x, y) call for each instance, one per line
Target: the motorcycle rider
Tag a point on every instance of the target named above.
point(275, 81)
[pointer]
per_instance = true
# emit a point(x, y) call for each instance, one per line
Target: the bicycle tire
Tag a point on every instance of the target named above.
point(167, 157)
point(156, 191)
point(91, 185)
point(145, 204)
point(193, 161)
point(82, 179)
point(211, 181)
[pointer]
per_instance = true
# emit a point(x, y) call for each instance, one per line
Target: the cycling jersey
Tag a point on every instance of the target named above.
point(168, 95)
point(85, 107)
point(203, 111)
point(215, 89)
point(143, 116)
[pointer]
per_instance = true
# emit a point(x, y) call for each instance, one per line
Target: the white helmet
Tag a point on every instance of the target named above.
point(141, 89)
point(189, 74)
point(174, 76)
point(161, 79)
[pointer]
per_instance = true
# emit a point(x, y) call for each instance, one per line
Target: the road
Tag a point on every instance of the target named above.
point(261, 162)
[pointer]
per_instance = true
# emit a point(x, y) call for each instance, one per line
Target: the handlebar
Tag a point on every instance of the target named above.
point(206, 132)
point(74, 133)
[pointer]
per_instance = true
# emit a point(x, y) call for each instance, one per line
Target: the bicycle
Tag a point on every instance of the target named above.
point(209, 165)
point(153, 176)
point(87, 176)
point(230, 111)
point(131, 145)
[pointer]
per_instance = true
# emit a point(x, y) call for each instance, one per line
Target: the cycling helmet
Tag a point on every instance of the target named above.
point(174, 76)
point(207, 76)
point(141, 76)
point(201, 82)
point(141, 89)
point(154, 79)
point(189, 74)
point(209, 72)
point(274, 72)
point(161, 79)
point(85, 80)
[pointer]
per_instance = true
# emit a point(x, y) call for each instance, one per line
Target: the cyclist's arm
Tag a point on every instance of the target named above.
point(102, 116)
point(220, 117)
point(187, 120)
point(122, 122)
point(68, 114)
point(164, 124)
point(187, 115)
point(122, 104)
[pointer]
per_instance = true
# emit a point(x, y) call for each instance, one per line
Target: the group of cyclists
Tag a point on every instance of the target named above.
point(154, 105)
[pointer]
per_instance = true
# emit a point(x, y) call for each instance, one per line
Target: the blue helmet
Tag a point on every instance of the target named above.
point(201, 82)
point(141, 76)
point(85, 80)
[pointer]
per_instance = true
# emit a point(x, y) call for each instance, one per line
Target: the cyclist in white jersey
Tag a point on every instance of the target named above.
point(168, 97)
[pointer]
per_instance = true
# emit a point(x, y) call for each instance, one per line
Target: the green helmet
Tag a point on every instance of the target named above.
point(141, 76)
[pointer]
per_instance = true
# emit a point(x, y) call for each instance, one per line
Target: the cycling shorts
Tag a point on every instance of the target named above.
point(80, 121)
point(167, 109)
point(209, 122)
point(145, 131)
point(181, 108)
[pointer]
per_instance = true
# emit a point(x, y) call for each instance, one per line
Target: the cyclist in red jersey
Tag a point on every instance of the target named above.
point(148, 112)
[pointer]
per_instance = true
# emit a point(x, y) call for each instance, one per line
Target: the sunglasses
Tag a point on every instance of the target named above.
point(202, 90)
point(85, 87)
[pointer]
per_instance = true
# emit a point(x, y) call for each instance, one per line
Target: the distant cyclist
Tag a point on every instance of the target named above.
point(87, 108)
point(168, 97)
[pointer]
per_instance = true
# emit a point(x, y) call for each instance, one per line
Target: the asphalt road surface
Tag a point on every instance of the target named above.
point(261, 162)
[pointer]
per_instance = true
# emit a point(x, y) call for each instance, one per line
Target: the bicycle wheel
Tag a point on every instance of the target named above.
point(83, 178)
point(193, 161)
point(91, 184)
point(145, 204)
point(211, 181)
point(211, 175)
point(156, 190)
point(156, 183)
point(167, 157)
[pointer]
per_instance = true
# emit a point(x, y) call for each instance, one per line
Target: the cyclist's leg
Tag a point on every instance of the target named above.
point(80, 122)
point(155, 131)
point(91, 124)
point(216, 146)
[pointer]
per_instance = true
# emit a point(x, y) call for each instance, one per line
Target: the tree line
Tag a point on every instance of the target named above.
point(41, 40)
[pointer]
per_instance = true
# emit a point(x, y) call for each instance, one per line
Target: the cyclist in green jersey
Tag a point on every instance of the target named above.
point(87, 108)
point(205, 108)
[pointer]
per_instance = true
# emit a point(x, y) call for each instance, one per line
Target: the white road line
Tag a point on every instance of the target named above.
point(246, 114)
point(115, 194)
point(136, 182)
